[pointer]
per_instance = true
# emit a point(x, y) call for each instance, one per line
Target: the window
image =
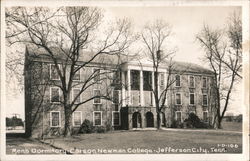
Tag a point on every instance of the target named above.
point(135, 80)
point(96, 75)
point(97, 118)
point(115, 97)
point(54, 94)
point(75, 92)
point(151, 98)
point(191, 81)
point(205, 116)
point(204, 82)
point(161, 79)
point(147, 80)
point(77, 118)
point(77, 75)
point(178, 99)
point(191, 98)
point(178, 116)
point(117, 77)
point(177, 80)
point(97, 94)
point(116, 118)
point(55, 119)
point(53, 72)
point(204, 100)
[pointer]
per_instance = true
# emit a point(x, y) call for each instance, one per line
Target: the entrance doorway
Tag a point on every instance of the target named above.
point(136, 117)
point(150, 119)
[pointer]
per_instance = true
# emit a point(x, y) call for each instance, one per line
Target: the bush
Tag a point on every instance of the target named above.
point(86, 127)
point(100, 129)
point(177, 124)
point(193, 121)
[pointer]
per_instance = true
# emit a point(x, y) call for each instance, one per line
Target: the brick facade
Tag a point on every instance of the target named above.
point(136, 107)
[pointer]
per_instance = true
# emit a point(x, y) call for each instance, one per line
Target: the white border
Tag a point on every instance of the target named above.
point(194, 157)
point(176, 99)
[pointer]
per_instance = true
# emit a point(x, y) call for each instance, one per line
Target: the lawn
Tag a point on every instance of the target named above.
point(134, 142)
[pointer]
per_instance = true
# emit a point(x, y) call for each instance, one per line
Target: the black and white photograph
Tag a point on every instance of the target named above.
point(125, 81)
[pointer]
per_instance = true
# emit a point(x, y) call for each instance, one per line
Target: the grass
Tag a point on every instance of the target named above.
point(232, 126)
point(152, 141)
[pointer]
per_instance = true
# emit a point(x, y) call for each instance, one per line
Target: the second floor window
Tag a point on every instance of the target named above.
point(147, 80)
point(204, 100)
point(53, 72)
point(135, 80)
point(96, 75)
point(75, 93)
point(115, 97)
point(191, 81)
point(178, 99)
point(97, 94)
point(177, 80)
point(191, 98)
point(161, 75)
point(54, 94)
point(77, 75)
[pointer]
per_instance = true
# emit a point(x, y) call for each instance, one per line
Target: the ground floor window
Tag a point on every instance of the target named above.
point(205, 116)
point(115, 118)
point(178, 116)
point(97, 119)
point(77, 118)
point(55, 119)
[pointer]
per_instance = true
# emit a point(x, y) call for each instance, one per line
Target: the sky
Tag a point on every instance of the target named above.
point(186, 22)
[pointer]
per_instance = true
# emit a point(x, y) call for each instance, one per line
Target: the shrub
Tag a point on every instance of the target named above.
point(100, 129)
point(86, 127)
point(177, 124)
point(193, 121)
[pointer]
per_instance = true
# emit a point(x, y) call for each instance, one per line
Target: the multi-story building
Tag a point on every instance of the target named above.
point(132, 104)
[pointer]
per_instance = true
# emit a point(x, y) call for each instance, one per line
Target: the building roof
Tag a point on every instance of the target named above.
point(115, 59)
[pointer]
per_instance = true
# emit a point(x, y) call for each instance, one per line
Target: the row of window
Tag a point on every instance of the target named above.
point(55, 97)
point(178, 116)
point(77, 76)
point(55, 118)
point(191, 81)
point(178, 99)
point(55, 94)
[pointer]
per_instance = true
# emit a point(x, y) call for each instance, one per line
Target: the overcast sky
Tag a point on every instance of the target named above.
point(186, 22)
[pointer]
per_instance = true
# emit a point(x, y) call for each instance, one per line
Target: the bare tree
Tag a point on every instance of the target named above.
point(69, 30)
point(223, 54)
point(154, 37)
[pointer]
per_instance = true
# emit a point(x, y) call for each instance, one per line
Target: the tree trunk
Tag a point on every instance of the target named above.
point(158, 120)
point(67, 124)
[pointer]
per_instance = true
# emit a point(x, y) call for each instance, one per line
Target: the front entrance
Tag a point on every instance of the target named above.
point(136, 117)
point(150, 119)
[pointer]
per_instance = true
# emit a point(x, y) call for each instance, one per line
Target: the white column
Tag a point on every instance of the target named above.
point(129, 87)
point(123, 89)
point(153, 87)
point(141, 88)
